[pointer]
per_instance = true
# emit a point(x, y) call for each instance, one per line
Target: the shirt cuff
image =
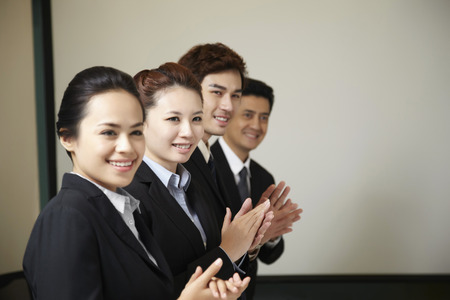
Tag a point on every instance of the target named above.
point(272, 244)
point(236, 267)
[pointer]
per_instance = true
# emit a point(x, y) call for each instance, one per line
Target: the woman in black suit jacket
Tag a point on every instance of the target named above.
point(81, 247)
point(178, 214)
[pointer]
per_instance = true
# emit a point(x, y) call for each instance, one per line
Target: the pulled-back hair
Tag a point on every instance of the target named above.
point(258, 88)
point(86, 84)
point(152, 83)
point(207, 59)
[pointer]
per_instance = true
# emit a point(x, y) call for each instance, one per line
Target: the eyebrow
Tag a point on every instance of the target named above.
point(118, 126)
point(174, 112)
point(220, 87)
point(254, 112)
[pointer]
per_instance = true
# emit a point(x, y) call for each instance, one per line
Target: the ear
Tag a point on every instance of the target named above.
point(68, 142)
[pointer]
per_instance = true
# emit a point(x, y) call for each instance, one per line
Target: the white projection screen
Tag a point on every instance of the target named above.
point(360, 128)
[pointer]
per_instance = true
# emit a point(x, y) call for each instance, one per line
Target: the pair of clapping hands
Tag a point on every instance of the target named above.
point(203, 285)
point(272, 217)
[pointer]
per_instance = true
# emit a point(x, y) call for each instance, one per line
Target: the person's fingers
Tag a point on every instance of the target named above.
point(197, 273)
point(222, 288)
point(275, 196)
point(231, 286)
point(210, 272)
point(237, 279)
point(246, 207)
point(253, 216)
point(245, 283)
point(266, 195)
point(280, 201)
point(257, 216)
point(226, 220)
point(256, 242)
point(213, 288)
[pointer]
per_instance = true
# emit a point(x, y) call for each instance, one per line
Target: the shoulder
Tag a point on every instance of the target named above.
point(139, 186)
point(71, 202)
point(216, 146)
point(254, 165)
point(259, 171)
point(196, 163)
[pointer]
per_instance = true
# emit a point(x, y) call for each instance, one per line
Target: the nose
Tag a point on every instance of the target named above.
point(186, 129)
point(255, 123)
point(226, 103)
point(123, 144)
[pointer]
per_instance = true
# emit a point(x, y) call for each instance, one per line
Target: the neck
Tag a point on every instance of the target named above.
point(205, 138)
point(171, 166)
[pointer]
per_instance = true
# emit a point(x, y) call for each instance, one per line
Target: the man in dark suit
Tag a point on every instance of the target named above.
point(243, 176)
point(221, 73)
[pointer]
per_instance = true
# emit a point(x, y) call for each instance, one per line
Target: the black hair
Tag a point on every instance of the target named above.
point(258, 88)
point(207, 59)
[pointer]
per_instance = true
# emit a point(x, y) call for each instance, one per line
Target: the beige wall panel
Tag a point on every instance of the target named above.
point(19, 198)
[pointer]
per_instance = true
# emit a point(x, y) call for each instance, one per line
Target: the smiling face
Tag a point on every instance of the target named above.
point(110, 144)
point(221, 95)
point(249, 125)
point(173, 127)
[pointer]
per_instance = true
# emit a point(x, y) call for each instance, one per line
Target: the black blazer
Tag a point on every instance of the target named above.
point(216, 191)
point(80, 248)
point(176, 234)
point(260, 180)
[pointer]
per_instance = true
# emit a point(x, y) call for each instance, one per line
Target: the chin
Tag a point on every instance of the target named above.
point(184, 158)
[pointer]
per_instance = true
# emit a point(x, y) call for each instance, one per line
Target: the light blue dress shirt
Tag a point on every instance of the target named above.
point(177, 185)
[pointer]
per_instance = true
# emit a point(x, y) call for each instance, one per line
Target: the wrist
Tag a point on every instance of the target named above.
point(253, 253)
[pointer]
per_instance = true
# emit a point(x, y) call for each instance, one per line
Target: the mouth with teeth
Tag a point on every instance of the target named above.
point(122, 165)
point(253, 136)
point(182, 146)
point(222, 120)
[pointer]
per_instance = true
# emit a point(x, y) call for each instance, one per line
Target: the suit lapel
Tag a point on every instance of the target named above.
point(205, 213)
point(226, 178)
point(201, 169)
point(151, 245)
point(161, 197)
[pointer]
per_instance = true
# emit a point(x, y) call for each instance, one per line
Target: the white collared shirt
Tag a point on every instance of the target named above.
point(236, 163)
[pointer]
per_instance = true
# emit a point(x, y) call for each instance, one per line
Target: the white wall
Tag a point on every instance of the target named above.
point(359, 129)
point(19, 190)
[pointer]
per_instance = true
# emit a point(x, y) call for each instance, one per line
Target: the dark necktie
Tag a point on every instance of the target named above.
point(242, 185)
point(212, 167)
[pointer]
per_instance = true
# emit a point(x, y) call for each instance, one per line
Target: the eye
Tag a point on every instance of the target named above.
point(108, 133)
point(197, 119)
point(218, 93)
point(236, 96)
point(173, 119)
point(264, 118)
point(248, 115)
point(137, 132)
